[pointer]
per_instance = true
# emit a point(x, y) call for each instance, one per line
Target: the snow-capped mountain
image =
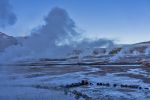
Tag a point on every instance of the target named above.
point(6, 41)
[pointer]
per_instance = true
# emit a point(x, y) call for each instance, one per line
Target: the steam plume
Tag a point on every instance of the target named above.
point(45, 41)
point(7, 17)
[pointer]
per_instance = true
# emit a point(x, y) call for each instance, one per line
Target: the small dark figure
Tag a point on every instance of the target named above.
point(107, 84)
point(84, 82)
point(101, 84)
point(128, 86)
point(146, 88)
point(140, 88)
point(122, 85)
point(125, 86)
point(98, 84)
point(115, 85)
point(72, 85)
point(132, 86)
point(91, 83)
point(135, 86)
point(67, 86)
point(75, 84)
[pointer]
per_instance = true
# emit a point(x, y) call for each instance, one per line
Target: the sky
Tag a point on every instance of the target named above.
point(125, 21)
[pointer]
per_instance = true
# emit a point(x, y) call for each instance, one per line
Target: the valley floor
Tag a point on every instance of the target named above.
point(45, 82)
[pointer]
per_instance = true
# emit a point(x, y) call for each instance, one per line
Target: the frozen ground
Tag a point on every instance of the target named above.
point(37, 82)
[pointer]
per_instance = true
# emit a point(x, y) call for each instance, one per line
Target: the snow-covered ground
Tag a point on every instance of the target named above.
point(44, 82)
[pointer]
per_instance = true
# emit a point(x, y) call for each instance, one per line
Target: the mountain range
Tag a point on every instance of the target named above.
point(7, 41)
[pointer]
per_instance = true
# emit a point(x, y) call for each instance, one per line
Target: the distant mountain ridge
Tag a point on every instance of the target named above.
point(6, 41)
point(143, 43)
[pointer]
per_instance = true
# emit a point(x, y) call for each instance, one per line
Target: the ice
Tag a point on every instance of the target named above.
point(139, 71)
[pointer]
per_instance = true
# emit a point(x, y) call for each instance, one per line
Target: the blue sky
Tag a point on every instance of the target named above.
point(126, 21)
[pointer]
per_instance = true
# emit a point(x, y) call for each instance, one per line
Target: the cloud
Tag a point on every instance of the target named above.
point(7, 16)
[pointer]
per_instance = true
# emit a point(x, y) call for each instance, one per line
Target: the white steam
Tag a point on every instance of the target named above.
point(55, 38)
point(147, 50)
point(125, 50)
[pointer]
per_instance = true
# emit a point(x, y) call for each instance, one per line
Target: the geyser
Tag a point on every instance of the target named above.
point(45, 41)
